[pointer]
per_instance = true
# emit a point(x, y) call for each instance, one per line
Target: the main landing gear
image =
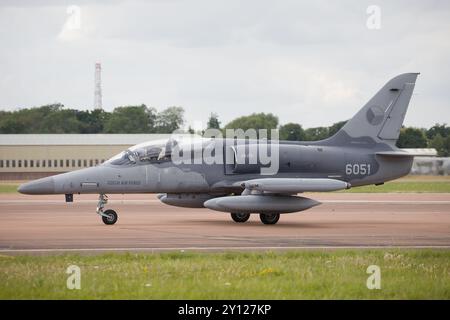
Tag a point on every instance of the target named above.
point(109, 216)
point(266, 218)
point(240, 217)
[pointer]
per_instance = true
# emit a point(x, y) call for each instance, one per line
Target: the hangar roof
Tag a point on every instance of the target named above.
point(78, 139)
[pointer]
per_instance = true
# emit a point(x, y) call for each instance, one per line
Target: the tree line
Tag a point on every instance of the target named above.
point(55, 118)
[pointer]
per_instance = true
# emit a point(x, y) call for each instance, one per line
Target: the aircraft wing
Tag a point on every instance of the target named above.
point(294, 185)
point(274, 195)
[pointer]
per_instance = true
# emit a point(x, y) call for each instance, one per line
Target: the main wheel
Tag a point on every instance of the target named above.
point(240, 217)
point(269, 218)
point(111, 217)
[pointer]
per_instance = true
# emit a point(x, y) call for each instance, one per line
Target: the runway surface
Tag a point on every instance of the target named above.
point(42, 224)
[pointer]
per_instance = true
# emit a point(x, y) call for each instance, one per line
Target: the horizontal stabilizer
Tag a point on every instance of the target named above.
point(382, 116)
point(427, 152)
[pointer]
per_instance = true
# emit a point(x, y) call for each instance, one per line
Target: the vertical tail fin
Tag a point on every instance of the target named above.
point(382, 117)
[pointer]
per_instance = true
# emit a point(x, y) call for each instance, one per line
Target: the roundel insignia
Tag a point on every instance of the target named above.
point(375, 115)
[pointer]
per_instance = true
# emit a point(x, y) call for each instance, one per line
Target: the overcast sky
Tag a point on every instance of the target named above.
point(312, 62)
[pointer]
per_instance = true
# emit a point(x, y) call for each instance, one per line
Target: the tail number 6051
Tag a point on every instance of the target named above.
point(357, 169)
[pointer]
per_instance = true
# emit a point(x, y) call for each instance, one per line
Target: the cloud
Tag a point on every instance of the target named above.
point(314, 63)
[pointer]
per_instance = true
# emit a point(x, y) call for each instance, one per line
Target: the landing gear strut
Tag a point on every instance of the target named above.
point(109, 216)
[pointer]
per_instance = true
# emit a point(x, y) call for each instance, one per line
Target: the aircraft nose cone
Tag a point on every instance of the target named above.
point(40, 186)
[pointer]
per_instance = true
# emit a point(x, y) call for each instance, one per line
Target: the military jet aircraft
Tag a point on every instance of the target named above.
point(362, 152)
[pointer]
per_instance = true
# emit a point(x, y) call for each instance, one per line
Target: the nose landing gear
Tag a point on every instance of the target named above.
point(240, 217)
point(109, 216)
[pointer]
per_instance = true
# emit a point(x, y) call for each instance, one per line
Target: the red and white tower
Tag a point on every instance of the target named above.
point(98, 86)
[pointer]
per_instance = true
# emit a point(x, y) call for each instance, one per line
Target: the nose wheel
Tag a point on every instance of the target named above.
point(269, 218)
point(109, 216)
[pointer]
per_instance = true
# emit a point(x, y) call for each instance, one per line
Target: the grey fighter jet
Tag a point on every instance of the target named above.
point(232, 175)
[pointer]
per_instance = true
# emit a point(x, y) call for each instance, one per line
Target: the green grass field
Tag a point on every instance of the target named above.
point(405, 186)
point(339, 274)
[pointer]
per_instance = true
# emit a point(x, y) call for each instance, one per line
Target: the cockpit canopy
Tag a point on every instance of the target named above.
point(151, 152)
point(154, 151)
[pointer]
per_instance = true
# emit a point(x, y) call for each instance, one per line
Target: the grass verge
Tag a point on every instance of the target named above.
point(8, 188)
point(410, 186)
point(340, 274)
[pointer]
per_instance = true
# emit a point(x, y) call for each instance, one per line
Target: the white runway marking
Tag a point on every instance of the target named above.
point(153, 201)
point(75, 201)
point(56, 250)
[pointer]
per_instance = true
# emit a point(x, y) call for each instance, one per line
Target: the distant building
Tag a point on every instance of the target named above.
point(29, 156)
point(98, 86)
point(431, 166)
